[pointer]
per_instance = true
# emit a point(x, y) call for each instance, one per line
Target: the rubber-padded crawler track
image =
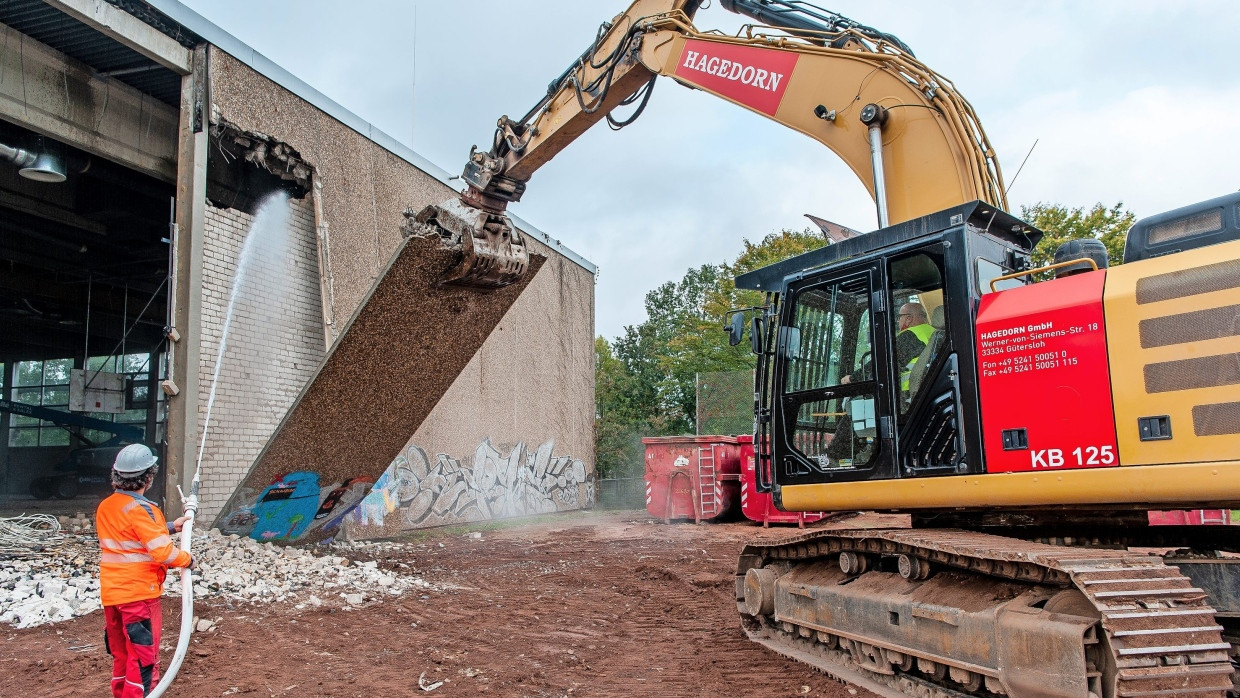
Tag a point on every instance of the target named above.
point(1160, 629)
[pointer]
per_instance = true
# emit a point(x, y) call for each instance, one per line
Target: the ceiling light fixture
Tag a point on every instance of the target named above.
point(45, 165)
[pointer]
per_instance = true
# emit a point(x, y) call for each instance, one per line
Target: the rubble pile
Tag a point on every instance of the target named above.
point(51, 586)
point(63, 582)
point(245, 570)
point(78, 523)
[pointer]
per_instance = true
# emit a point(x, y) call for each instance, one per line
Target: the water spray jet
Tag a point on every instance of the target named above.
point(264, 242)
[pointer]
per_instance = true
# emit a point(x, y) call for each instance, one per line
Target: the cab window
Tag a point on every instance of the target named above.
point(829, 376)
point(988, 271)
point(919, 322)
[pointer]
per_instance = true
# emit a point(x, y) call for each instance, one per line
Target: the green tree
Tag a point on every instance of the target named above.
point(646, 378)
point(697, 343)
point(773, 248)
point(1060, 224)
point(618, 420)
point(688, 341)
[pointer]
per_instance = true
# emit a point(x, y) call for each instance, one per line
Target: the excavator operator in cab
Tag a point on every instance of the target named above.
point(911, 339)
point(914, 335)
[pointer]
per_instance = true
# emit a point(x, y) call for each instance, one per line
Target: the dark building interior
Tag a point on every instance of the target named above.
point(84, 274)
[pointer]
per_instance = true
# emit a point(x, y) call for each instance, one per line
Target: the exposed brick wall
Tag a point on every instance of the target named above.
point(274, 344)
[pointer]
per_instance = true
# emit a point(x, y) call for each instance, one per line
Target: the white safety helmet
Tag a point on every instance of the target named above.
point(134, 459)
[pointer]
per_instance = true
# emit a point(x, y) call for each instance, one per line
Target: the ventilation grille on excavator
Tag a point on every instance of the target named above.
point(1190, 327)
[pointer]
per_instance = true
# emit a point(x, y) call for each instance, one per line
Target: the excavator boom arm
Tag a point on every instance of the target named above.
point(905, 132)
point(816, 78)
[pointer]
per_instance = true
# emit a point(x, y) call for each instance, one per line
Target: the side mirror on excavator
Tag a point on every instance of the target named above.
point(755, 335)
point(735, 328)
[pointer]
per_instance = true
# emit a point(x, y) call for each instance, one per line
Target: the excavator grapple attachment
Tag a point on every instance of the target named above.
point(492, 251)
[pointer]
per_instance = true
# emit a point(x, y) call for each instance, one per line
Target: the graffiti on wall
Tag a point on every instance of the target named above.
point(293, 505)
point(417, 491)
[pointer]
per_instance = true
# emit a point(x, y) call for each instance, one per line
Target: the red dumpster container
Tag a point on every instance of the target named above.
point(758, 506)
point(1191, 517)
point(692, 477)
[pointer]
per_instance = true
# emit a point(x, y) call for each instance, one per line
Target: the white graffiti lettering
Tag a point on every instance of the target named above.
point(418, 491)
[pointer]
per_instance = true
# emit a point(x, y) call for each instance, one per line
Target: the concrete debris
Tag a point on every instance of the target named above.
point(78, 523)
point(425, 686)
point(280, 159)
point(53, 586)
point(64, 583)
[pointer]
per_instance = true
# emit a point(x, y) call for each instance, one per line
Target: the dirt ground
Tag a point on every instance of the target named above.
point(588, 604)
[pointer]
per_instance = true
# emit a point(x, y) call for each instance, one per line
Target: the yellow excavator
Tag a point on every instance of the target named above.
point(1026, 426)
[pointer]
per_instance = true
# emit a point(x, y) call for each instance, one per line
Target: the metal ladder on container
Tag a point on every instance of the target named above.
point(1215, 516)
point(708, 488)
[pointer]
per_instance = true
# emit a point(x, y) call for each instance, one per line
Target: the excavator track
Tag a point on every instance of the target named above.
point(951, 613)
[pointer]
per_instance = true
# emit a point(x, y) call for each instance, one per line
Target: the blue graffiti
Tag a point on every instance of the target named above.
point(286, 508)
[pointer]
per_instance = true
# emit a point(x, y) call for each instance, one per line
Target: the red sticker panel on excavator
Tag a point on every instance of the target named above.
point(753, 76)
point(1043, 377)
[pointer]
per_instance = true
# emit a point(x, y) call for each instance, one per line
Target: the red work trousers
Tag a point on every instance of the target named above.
point(131, 636)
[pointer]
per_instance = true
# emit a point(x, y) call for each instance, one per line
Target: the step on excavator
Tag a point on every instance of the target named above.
point(1025, 419)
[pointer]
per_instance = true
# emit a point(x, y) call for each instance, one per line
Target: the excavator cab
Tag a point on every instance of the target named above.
point(918, 368)
point(863, 367)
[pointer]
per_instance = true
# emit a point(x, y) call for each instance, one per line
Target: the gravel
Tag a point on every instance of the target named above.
point(61, 582)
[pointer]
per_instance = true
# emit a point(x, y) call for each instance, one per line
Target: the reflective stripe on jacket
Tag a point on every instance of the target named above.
point(135, 549)
point(923, 332)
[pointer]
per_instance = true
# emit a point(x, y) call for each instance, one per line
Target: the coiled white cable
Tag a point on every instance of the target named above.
point(23, 534)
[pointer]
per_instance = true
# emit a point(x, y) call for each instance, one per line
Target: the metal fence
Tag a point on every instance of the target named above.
point(725, 402)
point(621, 493)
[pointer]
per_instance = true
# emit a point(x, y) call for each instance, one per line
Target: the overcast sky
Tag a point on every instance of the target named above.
point(1130, 100)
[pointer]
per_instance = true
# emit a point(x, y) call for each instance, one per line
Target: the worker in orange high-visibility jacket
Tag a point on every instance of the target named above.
point(136, 550)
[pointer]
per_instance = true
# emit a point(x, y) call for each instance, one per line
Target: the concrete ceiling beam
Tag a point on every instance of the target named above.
point(47, 92)
point(129, 30)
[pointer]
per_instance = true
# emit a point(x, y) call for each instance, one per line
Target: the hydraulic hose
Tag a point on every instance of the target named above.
point(190, 505)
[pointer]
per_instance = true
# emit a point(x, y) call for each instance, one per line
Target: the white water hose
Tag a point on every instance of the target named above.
point(190, 505)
